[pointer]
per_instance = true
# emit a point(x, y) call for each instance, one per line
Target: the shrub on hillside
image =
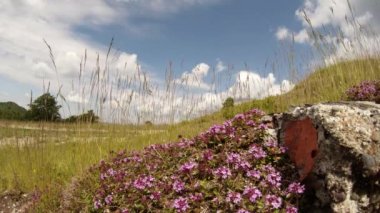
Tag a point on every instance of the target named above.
point(227, 109)
point(233, 167)
point(365, 91)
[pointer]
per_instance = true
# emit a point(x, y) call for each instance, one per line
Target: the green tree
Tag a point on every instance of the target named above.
point(227, 109)
point(44, 108)
point(229, 102)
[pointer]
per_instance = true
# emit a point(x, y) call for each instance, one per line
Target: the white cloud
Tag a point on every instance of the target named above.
point(250, 85)
point(126, 92)
point(220, 66)
point(347, 17)
point(179, 103)
point(75, 97)
point(283, 33)
point(302, 36)
point(24, 24)
point(195, 78)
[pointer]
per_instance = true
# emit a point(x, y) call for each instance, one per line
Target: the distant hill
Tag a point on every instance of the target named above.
point(11, 111)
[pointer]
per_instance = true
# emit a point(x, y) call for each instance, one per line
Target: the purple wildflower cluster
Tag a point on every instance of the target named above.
point(365, 91)
point(233, 167)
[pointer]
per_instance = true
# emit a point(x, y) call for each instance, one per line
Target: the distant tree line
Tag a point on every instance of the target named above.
point(88, 117)
point(44, 108)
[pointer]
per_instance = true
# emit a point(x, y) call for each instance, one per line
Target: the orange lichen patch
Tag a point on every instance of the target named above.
point(300, 138)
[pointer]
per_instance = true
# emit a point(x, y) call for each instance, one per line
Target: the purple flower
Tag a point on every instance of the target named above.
point(227, 123)
point(291, 209)
point(256, 112)
point(242, 211)
point(178, 186)
point(108, 199)
point(269, 169)
point(257, 152)
point(271, 143)
point(217, 129)
point(103, 176)
point(239, 117)
point(207, 155)
point(233, 197)
point(187, 167)
point(143, 182)
point(254, 173)
point(155, 196)
point(196, 197)
point(136, 159)
point(181, 204)
point(274, 179)
point(185, 143)
point(125, 211)
point(273, 200)
point(111, 172)
point(250, 123)
point(296, 188)
point(233, 158)
point(263, 127)
point(222, 172)
point(244, 165)
point(252, 193)
point(97, 204)
point(365, 91)
point(283, 149)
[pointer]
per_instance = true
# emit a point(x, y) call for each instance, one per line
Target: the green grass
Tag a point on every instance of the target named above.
point(58, 152)
point(324, 85)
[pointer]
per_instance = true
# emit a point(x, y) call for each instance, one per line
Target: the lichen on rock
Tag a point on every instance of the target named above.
point(345, 173)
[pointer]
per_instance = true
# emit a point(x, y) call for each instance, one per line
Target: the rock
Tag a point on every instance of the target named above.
point(375, 137)
point(339, 145)
point(266, 119)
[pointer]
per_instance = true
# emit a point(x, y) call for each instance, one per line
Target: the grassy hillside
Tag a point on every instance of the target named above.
point(11, 111)
point(323, 85)
point(46, 156)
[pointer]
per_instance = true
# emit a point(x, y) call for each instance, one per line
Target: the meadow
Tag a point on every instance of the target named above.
point(44, 158)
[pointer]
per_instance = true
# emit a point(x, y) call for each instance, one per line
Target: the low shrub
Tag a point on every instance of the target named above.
point(234, 167)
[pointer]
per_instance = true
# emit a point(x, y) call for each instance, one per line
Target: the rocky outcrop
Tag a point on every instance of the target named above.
point(336, 148)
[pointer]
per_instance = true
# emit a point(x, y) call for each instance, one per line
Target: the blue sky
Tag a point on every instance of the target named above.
point(239, 38)
point(236, 32)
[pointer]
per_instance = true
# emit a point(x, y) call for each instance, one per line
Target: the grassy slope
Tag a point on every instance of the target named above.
point(324, 85)
point(48, 163)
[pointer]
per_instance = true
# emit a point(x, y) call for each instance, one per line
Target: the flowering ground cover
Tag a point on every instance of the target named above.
point(234, 167)
point(365, 91)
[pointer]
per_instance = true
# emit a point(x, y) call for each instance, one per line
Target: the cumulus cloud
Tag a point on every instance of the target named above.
point(350, 18)
point(337, 13)
point(126, 92)
point(178, 104)
point(220, 66)
point(283, 33)
point(250, 85)
point(75, 97)
point(24, 24)
point(195, 78)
